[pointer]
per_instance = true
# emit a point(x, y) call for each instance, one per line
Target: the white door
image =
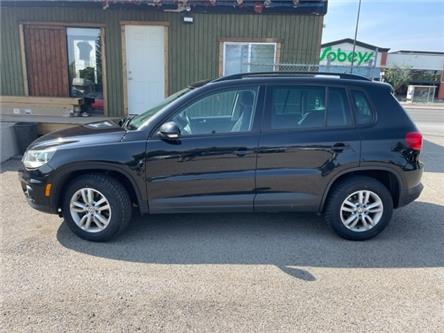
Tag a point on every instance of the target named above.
point(145, 66)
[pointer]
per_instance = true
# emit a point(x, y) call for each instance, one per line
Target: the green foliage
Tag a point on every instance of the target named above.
point(397, 77)
point(425, 76)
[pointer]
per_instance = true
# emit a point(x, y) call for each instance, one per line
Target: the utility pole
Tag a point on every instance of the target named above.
point(356, 35)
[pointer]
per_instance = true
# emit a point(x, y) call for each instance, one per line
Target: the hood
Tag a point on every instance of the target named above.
point(84, 135)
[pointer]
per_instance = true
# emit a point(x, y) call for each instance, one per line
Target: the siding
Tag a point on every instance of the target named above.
point(193, 48)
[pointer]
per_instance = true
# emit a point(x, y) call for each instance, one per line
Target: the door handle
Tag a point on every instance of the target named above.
point(339, 147)
point(272, 150)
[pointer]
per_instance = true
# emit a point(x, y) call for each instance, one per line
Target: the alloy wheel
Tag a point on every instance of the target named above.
point(361, 211)
point(90, 210)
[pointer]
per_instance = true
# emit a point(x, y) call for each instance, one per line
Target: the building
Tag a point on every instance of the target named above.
point(427, 67)
point(420, 60)
point(367, 59)
point(122, 57)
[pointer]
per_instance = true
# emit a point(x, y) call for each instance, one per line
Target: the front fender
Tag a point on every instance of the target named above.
point(124, 159)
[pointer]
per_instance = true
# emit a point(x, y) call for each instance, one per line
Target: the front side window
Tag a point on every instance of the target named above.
point(296, 107)
point(228, 111)
point(363, 111)
point(242, 57)
point(143, 118)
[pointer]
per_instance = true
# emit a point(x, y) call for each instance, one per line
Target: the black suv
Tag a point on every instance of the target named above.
point(334, 144)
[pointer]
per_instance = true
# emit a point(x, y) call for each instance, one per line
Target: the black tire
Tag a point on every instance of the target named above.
point(340, 193)
point(118, 199)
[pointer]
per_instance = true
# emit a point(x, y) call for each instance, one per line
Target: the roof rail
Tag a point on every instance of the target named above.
point(296, 74)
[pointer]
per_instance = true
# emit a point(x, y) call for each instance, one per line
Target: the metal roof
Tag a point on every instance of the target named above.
point(417, 52)
point(358, 43)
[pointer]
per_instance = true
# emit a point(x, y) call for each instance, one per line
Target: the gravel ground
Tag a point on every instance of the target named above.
point(226, 272)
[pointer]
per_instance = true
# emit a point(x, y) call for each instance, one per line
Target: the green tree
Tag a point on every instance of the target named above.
point(397, 77)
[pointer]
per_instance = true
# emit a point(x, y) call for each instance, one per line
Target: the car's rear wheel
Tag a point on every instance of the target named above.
point(96, 207)
point(359, 208)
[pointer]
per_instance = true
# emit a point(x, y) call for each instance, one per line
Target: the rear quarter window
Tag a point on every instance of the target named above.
point(363, 111)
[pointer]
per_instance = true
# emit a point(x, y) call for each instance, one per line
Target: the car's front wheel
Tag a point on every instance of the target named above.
point(96, 207)
point(359, 208)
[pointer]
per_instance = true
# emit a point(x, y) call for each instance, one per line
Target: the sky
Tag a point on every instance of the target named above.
point(395, 24)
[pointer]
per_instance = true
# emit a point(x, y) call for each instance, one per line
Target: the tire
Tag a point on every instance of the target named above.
point(346, 214)
point(113, 220)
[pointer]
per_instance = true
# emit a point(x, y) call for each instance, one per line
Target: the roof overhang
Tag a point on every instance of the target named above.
point(358, 43)
point(302, 7)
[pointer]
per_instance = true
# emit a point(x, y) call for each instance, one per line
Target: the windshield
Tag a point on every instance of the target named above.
point(140, 119)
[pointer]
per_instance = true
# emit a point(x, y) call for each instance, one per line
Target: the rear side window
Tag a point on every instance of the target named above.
point(338, 109)
point(363, 112)
point(297, 107)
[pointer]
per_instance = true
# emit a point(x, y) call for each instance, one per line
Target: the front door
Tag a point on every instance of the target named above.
point(145, 66)
point(211, 167)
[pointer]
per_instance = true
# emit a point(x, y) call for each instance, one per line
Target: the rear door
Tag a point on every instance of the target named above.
point(308, 137)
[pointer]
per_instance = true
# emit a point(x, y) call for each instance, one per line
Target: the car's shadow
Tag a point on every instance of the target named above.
point(286, 240)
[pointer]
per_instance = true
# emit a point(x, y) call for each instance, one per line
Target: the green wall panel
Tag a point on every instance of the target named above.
point(193, 48)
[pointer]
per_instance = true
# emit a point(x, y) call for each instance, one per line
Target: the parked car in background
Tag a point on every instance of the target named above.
point(333, 144)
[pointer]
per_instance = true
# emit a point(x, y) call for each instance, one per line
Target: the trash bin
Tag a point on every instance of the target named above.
point(25, 133)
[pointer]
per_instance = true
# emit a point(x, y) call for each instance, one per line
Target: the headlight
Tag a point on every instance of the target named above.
point(33, 159)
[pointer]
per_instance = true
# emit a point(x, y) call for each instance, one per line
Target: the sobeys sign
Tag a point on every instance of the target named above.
point(358, 57)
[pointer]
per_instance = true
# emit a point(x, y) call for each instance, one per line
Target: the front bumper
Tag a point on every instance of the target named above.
point(33, 185)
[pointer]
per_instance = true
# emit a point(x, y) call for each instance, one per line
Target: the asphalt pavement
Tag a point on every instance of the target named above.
point(227, 272)
point(430, 121)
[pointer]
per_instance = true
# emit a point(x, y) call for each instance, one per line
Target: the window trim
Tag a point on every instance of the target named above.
point(239, 41)
point(257, 118)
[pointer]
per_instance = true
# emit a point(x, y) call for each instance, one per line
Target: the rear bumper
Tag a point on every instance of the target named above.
point(410, 195)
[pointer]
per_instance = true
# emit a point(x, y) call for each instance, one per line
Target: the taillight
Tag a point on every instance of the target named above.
point(414, 140)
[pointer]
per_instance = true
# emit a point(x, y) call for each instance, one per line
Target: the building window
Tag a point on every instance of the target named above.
point(85, 63)
point(241, 57)
point(65, 62)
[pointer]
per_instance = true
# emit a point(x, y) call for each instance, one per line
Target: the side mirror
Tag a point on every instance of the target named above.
point(169, 131)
